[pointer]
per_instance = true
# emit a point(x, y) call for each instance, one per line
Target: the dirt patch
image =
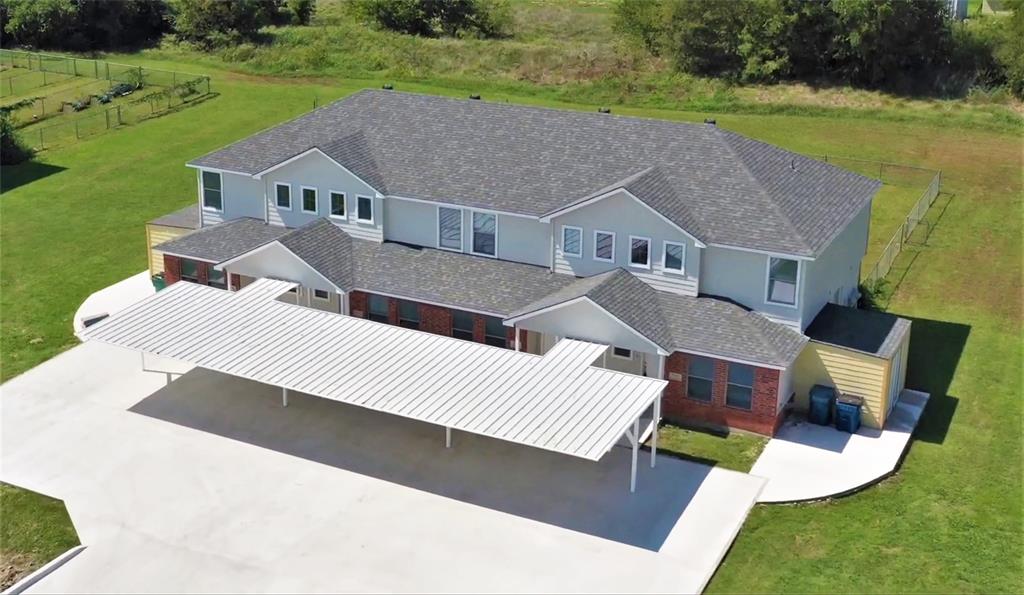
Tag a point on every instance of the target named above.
point(14, 566)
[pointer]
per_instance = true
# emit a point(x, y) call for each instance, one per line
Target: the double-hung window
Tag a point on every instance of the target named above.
point(337, 204)
point(215, 278)
point(409, 314)
point(364, 209)
point(485, 234)
point(309, 199)
point(283, 195)
point(782, 280)
point(572, 241)
point(604, 246)
point(378, 308)
point(189, 270)
point(740, 392)
point(213, 198)
point(462, 325)
point(640, 252)
point(449, 228)
point(674, 257)
point(700, 378)
point(494, 332)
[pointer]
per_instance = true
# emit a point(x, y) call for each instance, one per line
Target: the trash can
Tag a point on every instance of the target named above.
point(820, 409)
point(848, 413)
point(159, 282)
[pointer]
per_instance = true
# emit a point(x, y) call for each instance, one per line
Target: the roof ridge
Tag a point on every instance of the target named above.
point(723, 138)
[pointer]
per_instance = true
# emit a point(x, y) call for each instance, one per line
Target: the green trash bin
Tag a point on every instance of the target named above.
point(159, 282)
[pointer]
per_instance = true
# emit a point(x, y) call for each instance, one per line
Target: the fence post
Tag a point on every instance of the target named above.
point(106, 115)
point(41, 145)
point(78, 136)
point(107, 64)
point(74, 65)
point(44, 75)
point(95, 69)
point(880, 170)
point(119, 121)
point(140, 77)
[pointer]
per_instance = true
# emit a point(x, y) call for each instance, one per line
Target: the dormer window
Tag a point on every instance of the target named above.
point(485, 234)
point(283, 195)
point(640, 252)
point(604, 246)
point(572, 241)
point(449, 228)
point(783, 275)
point(212, 198)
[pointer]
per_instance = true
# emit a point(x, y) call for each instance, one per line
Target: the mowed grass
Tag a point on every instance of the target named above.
point(736, 450)
point(34, 529)
point(949, 521)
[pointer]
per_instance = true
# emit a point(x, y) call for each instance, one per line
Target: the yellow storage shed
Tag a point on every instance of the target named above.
point(859, 352)
point(166, 228)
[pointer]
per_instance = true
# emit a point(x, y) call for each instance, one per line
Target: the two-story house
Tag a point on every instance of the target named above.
point(697, 254)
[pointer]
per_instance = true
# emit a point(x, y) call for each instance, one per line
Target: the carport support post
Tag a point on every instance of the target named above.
point(284, 397)
point(654, 430)
point(447, 437)
point(635, 438)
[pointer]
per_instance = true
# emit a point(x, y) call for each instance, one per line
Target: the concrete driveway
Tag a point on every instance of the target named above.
point(208, 484)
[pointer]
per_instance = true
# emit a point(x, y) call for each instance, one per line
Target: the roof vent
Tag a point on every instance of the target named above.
point(604, 110)
point(710, 121)
point(792, 163)
point(388, 87)
point(475, 96)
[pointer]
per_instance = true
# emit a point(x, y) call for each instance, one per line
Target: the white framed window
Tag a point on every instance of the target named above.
point(309, 199)
point(449, 228)
point(485, 234)
point(782, 280)
point(213, 195)
point(700, 379)
point(739, 392)
point(572, 241)
point(364, 208)
point(337, 204)
point(640, 252)
point(622, 353)
point(283, 195)
point(673, 258)
point(604, 246)
point(320, 294)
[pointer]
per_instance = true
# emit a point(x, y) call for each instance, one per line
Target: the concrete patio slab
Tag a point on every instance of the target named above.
point(114, 298)
point(208, 484)
point(810, 462)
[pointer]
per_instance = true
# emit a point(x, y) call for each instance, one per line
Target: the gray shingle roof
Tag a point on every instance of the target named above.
point(186, 218)
point(867, 331)
point(325, 247)
point(223, 241)
point(730, 189)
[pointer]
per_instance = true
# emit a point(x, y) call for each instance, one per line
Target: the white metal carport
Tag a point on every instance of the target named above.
point(558, 402)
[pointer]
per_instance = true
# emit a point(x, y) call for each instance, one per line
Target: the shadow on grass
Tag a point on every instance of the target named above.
point(935, 350)
point(15, 176)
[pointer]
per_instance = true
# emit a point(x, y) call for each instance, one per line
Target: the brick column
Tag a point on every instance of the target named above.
point(172, 269)
point(357, 304)
point(435, 319)
point(236, 280)
point(203, 272)
point(479, 328)
point(392, 311)
point(522, 339)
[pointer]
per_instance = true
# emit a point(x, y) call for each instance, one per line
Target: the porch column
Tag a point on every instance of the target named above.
point(657, 412)
point(447, 437)
point(284, 397)
point(635, 439)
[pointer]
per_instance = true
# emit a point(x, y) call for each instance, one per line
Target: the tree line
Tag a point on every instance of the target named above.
point(907, 46)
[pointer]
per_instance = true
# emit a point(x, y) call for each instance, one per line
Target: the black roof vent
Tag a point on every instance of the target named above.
point(388, 86)
point(710, 121)
point(604, 110)
point(474, 96)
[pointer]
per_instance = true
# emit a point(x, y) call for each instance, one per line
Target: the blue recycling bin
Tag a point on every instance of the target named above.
point(848, 413)
point(820, 408)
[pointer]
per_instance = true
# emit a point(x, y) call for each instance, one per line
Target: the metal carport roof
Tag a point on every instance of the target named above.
point(558, 402)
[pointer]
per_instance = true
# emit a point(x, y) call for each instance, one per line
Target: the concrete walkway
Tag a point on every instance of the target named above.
point(810, 462)
point(115, 298)
point(208, 484)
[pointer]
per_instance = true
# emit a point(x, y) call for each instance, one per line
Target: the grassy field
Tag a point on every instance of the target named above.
point(736, 450)
point(34, 529)
point(949, 521)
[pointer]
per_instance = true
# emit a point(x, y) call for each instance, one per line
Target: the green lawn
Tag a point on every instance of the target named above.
point(949, 521)
point(34, 529)
point(736, 450)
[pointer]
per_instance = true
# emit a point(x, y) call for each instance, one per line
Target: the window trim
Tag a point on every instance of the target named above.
point(202, 191)
point(472, 233)
point(767, 279)
point(753, 381)
point(689, 374)
point(316, 199)
point(664, 257)
point(291, 200)
point(181, 270)
point(462, 231)
point(372, 209)
point(595, 256)
point(344, 203)
point(646, 265)
point(322, 299)
point(566, 252)
point(622, 357)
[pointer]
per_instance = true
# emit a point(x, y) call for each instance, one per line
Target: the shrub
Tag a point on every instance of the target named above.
point(12, 148)
point(435, 18)
point(82, 25)
point(213, 23)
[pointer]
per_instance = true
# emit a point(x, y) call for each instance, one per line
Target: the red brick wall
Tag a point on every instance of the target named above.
point(203, 272)
point(236, 281)
point(479, 328)
point(392, 311)
point(435, 319)
point(357, 305)
point(172, 269)
point(761, 418)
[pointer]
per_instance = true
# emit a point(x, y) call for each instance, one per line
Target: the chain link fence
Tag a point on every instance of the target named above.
point(53, 99)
